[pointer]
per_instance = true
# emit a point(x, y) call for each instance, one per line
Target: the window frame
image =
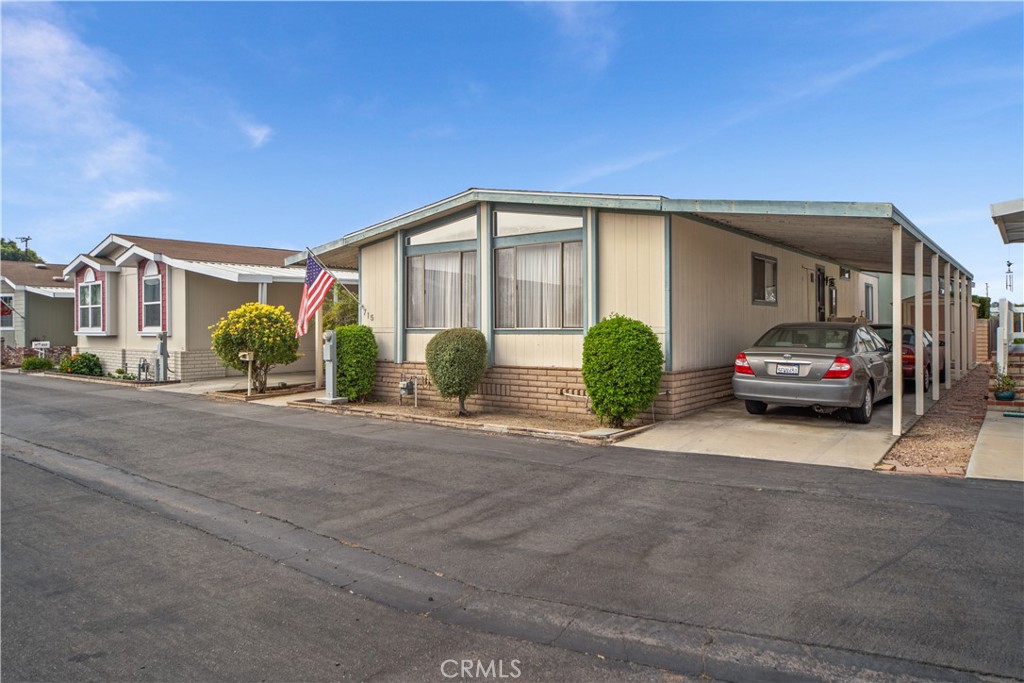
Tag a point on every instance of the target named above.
point(8, 300)
point(869, 302)
point(756, 288)
point(461, 277)
point(146, 277)
point(93, 308)
point(514, 248)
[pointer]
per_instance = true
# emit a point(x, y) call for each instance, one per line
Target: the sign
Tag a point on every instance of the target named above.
point(40, 345)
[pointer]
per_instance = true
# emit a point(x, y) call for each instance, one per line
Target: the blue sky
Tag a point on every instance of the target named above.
point(291, 124)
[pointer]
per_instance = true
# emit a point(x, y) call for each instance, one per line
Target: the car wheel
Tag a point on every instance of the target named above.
point(862, 414)
point(756, 407)
point(927, 379)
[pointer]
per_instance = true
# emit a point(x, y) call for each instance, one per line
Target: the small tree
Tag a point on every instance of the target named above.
point(357, 360)
point(267, 331)
point(622, 365)
point(344, 311)
point(456, 362)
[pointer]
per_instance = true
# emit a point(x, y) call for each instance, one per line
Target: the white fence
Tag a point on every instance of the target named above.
point(1011, 326)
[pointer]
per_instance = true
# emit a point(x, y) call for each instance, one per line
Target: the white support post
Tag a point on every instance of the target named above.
point(948, 286)
point(968, 336)
point(318, 363)
point(897, 326)
point(918, 329)
point(261, 292)
point(957, 320)
point(936, 349)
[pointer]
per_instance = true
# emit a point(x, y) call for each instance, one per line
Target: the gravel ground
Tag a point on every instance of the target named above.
point(945, 435)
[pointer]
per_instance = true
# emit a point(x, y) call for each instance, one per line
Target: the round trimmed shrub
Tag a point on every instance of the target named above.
point(357, 361)
point(267, 331)
point(456, 362)
point(82, 364)
point(36, 363)
point(622, 365)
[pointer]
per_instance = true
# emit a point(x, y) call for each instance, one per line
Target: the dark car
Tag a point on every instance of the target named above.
point(885, 332)
point(826, 366)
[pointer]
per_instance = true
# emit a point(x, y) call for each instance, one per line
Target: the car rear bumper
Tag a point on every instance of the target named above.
point(836, 393)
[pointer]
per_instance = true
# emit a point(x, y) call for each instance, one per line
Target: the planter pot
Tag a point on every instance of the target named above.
point(1005, 395)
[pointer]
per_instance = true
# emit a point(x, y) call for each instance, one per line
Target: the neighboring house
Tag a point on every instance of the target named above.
point(36, 304)
point(534, 270)
point(129, 289)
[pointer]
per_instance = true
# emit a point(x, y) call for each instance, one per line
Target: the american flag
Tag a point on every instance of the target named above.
point(318, 284)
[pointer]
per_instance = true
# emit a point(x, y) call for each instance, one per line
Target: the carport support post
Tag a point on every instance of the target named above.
point(957, 318)
point(968, 338)
point(936, 351)
point(897, 325)
point(918, 328)
point(947, 286)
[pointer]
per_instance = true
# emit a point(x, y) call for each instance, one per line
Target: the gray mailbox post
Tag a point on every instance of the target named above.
point(330, 370)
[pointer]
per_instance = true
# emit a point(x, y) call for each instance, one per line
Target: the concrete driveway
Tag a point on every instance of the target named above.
point(782, 434)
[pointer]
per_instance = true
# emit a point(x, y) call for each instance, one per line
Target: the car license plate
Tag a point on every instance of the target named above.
point(781, 369)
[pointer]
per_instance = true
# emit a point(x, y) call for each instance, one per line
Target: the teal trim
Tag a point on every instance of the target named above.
point(586, 259)
point(574, 235)
point(594, 276)
point(399, 299)
point(668, 293)
point(359, 274)
point(487, 245)
point(540, 209)
point(464, 245)
point(574, 330)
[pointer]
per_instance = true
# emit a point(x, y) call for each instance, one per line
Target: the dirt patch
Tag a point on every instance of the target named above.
point(242, 394)
point(561, 422)
point(944, 437)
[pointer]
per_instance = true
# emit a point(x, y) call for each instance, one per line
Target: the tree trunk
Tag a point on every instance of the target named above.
point(462, 407)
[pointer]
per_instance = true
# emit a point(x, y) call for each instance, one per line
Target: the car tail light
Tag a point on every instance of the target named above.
point(841, 369)
point(908, 358)
point(742, 365)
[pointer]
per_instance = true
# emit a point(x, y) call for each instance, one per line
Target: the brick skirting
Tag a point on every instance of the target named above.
point(561, 390)
point(183, 366)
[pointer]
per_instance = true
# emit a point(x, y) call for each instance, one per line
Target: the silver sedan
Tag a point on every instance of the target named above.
point(826, 366)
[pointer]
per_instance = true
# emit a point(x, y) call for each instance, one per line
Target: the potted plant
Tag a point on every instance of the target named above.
point(1006, 386)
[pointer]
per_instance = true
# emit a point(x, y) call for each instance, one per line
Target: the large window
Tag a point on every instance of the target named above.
point(90, 304)
point(764, 280)
point(539, 286)
point(151, 306)
point(7, 311)
point(441, 290)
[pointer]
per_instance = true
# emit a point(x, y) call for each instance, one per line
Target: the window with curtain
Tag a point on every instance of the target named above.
point(764, 280)
point(539, 286)
point(869, 303)
point(7, 311)
point(90, 306)
point(151, 307)
point(441, 290)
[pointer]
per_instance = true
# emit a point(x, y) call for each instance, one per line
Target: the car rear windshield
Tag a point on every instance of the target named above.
point(805, 337)
point(908, 336)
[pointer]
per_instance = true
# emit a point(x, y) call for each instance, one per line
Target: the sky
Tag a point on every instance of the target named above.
point(291, 124)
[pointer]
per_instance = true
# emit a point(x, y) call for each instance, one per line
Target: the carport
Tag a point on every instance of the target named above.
point(872, 237)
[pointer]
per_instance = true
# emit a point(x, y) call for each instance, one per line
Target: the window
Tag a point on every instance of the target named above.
point(539, 286)
point(441, 290)
point(7, 311)
point(454, 231)
point(765, 279)
point(90, 303)
point(510, 223)
point(869, 303)
point(151, 307)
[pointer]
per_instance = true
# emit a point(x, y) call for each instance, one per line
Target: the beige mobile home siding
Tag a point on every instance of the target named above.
point(50, 320)
point(209, 300)
point(290, 295)
point(713, 315)
point(377, 294)
point(631, 268)
point(539, 350)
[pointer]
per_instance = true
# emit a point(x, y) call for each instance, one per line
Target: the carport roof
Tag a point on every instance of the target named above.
point(1009, 218)
point(856, 234)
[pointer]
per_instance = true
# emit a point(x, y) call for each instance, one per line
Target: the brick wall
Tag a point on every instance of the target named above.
point(561, 390)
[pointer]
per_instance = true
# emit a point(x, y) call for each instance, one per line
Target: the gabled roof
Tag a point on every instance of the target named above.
point(231, 262)
point(856, 234)
point(26, 274)
point(1009, 218)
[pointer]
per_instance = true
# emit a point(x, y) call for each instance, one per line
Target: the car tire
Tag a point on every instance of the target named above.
point(862, 413)
point(756, 407)
point(927, 378)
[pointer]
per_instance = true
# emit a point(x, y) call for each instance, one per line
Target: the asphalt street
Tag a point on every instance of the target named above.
point(690, 564)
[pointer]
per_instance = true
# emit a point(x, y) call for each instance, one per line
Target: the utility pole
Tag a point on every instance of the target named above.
point(24, 242)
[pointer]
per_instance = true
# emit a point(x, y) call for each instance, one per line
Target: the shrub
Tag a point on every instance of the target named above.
point(357, 360)
point(36, 363)
point(81, 364)
point(267, 331)
point(622, 365)
point(456, 362)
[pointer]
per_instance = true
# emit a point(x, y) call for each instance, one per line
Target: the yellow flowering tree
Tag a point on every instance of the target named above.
point(267, 331)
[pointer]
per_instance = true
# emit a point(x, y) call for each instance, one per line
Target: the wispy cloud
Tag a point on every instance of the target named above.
point(71, 160)
point(258, 134)
point(587, 30)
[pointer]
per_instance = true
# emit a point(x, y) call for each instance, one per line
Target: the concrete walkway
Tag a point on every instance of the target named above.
point(782, 434)
point(999, 450)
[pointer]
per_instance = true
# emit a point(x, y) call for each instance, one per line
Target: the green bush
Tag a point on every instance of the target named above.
point(622, 365)
point(357, 360)
point(36, 363)
point(266, 331)
point(456, 362)
point(81, 364)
